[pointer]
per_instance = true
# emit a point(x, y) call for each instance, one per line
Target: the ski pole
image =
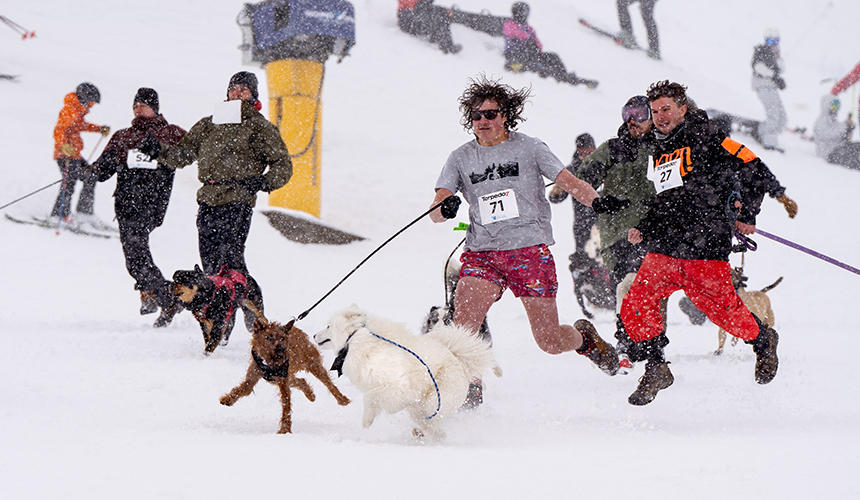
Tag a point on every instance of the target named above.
point(31, 194)
point(24, 32)
point(809, 251)
point(404, 228)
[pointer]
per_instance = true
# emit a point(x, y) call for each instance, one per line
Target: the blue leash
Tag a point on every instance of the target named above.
point(438, 396)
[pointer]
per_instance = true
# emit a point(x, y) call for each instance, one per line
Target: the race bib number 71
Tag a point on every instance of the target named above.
point(501, 205)
point(666, 175)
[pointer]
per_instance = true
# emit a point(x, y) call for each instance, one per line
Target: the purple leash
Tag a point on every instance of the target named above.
point(807, 250)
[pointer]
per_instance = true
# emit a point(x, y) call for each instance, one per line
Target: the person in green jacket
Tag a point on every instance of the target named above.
point(621, 165)
point(238, 153)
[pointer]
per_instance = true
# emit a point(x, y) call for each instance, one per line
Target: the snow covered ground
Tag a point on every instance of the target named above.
point(98, 404)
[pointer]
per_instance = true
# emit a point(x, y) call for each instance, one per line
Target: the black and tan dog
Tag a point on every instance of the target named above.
point(277, 353)
point(215, 300)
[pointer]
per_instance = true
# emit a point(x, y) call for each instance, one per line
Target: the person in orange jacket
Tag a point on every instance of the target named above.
point(67, 151)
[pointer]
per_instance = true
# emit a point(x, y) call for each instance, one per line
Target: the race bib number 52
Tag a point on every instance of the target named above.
point(501, 205)
point(666, 175)
point(136, 159)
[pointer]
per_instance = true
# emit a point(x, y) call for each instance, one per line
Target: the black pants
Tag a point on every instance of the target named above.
point(73, 170)
point(584, 218)
point(134, 237)
point(847, 155)
point(221, 235)
point(647, 8)
point(629, 259)
point(431, 21)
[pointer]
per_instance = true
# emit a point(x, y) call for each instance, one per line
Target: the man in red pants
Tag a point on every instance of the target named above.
point(706, 188)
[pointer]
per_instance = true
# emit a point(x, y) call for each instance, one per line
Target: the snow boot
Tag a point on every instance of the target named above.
point(766, 362)
point(595, 348)
point(148, 302)
point(656, 378)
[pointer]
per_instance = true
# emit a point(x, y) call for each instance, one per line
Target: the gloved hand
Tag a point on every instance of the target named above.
point(608, 204)
point(450, 205)
point(780, 83)
point(150, 147)
point(557, 195)
point(255, 184)
point(790, 205)
point(104, 130)
point(67, 150)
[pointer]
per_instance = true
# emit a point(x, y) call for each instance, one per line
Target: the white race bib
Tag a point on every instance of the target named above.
point(136, 159)
point(501, 205)
point(227, 112)
point(666, 176)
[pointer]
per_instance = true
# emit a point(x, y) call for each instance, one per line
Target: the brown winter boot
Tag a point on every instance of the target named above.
point(595, 348)
point(656, 378)
point(766, 361)
point(148, 302)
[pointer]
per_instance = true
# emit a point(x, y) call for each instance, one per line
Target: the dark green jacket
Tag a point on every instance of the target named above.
point(228, 153)
point(621, 165)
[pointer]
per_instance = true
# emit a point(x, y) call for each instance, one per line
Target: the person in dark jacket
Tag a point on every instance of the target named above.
point(584, 218)
point(703, 195)
point(524, 51)
point(238, 153)
point(141, 197)
point(767, 81)
point(423, 19)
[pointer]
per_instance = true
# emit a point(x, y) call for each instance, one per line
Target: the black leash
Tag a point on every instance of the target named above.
point(404, 228)
point(31, 194)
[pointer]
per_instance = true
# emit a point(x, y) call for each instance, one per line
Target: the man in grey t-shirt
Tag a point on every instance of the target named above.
point(501, 175)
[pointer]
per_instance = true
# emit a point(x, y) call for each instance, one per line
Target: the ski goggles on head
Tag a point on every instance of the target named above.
point(636, 113)
point(771, 41)
point(489, 114)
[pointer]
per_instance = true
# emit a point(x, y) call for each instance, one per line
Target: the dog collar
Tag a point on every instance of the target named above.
point(337, 364)
point(269, 373)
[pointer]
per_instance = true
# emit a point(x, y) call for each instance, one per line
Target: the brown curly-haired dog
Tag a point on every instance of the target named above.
point(277, 353)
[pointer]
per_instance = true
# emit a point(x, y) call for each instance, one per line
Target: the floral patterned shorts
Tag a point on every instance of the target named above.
point(529, 271)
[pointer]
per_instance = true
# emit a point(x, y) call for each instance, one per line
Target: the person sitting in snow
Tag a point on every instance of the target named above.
point(524, 52)
point(832, 137)
point(423, 19)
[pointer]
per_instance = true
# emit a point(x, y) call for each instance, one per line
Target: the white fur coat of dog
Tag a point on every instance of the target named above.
point(392, 379)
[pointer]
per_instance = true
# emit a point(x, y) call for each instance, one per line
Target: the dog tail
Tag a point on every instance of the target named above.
point(468, 348)
point(772, 285)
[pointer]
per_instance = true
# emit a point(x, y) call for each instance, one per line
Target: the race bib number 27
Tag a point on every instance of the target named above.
point(666, 175)
point(498, 206)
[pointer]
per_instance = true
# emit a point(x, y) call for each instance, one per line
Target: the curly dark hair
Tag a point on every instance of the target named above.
point(510, 100)
point(674, 90)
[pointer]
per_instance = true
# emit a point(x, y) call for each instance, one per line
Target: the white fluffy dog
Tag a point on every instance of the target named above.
point(396, 370)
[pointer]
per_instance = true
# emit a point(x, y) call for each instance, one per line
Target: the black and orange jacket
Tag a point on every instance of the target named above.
point(695, 221)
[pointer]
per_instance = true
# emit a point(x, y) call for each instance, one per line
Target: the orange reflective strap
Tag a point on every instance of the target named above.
point(739, 150)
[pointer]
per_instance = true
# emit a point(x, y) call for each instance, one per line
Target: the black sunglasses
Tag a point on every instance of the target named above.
point(489, 114)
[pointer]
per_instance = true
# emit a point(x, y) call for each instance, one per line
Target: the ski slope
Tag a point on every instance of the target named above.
point(97, 404)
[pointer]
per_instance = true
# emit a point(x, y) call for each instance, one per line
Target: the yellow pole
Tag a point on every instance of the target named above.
point(295, 107)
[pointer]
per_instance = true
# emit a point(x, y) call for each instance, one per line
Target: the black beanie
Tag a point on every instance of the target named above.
point(147, 96)
point(584, 141)
point(247, 79)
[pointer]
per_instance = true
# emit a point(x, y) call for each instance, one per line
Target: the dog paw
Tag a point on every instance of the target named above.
point(227, 400)
point(343, 401)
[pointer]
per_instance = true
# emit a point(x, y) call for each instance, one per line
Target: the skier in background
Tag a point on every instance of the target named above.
point(767, 81)
point(67, 152)
point(626, 34)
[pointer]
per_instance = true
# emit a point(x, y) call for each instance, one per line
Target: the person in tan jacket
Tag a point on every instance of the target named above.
point(67, 152)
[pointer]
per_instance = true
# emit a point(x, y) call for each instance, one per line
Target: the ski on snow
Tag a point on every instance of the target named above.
point(44, 223)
